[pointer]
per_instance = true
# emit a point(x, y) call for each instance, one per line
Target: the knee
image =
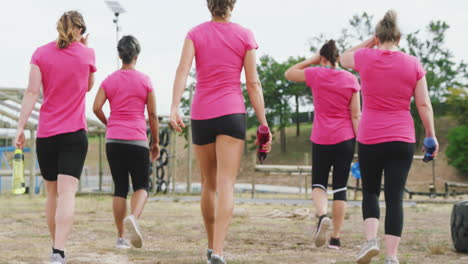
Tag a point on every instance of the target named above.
point(340, 194)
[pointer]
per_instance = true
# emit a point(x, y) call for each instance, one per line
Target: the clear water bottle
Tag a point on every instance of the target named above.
point(19, 184)
point(429, 148)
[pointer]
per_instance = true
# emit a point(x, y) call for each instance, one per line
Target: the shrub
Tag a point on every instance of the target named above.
point(457, 150)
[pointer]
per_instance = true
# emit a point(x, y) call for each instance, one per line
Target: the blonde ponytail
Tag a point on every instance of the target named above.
point(387, 29)
point(65, 27)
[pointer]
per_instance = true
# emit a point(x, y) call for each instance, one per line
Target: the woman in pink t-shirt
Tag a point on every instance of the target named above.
point(390, 78)
point(221, 50)
point(128, 92)
point(336, 116)
point(65, 70)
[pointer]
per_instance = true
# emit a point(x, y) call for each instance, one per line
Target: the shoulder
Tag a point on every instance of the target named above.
point(242, 29)
point(199, 27)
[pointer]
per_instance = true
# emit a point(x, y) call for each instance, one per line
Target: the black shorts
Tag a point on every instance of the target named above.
point(125, 159)
point(339, 156)
point(62, 154)
point(205, 131)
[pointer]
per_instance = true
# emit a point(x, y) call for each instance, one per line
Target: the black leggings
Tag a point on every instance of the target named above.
point(124, 159)
point(394, 160)
point(339, 156)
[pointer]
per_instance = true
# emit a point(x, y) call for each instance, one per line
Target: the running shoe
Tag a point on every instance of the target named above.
point(321, 233)
point(369, 250)
point(215, 259)
point(122, 243)
point(209, 252)
point(133, 231)
point(391, 260)
point(57, 259)
point(334, 243)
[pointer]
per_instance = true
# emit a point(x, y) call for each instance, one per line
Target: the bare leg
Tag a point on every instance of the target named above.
point(320, 201)
point(206, 156)
point(67, 187)
point(371, 227)
point(339, 210)
point(228, 154)
point(391, 243)
point(51, 207)
point(119, 207)
point(138, 203)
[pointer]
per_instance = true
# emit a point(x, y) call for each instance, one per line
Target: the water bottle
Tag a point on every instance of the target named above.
point(429, 148)
point(263, 136)
point(18, 185)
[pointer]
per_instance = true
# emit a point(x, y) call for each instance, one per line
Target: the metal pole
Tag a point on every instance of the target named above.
point(253, 176)
point(172, 161)
point(100, 163)
point(32, 182)
point(434, 176)
point(306, 162)
point(116, 21)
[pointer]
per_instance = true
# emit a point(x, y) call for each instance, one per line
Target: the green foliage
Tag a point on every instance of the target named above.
point(457, 101)
point(457, 151)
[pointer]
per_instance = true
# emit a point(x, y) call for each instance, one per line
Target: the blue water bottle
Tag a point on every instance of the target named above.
point(429, 148)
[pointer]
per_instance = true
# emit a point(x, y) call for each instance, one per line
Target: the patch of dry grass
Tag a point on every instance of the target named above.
point(174, 233)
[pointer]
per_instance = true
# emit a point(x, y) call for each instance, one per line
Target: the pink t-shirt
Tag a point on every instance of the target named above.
point(127, 92)
point(388, 81)
point(65, 74)
point(332, 90)
point(220, 49)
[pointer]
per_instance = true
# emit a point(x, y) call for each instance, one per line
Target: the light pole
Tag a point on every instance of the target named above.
point(117, 9)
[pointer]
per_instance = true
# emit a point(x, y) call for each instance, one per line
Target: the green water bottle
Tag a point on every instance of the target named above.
point(18, 185)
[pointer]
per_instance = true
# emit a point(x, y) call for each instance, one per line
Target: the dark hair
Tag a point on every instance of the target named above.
point(67, 22)
point(330, 52)
point(387, 29)
point(128, 48)
point(220, 8)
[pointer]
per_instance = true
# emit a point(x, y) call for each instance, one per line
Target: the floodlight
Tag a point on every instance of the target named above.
point(115, 7)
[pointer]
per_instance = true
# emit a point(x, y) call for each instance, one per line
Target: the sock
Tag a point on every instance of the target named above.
point(60, 252)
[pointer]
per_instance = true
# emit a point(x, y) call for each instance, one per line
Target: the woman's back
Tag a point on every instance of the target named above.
point(220, 49)
point(388, 81)
point(127, 92)
point(65, 74)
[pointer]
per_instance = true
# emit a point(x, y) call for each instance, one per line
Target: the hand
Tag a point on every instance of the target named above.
point(154, 151)
point(176, 121)
point(84, 40)
point(436, 151)
point(20, 139)
point(266, 147)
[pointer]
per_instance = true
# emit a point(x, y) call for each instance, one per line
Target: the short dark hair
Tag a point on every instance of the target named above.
point(220, 8)
point(128, 48)
point(330, 52)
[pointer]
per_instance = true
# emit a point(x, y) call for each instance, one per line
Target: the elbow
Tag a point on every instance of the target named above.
point(97, 110)
point(424, 106)
point(287, 75)
point(356, 116)
point(254, 85)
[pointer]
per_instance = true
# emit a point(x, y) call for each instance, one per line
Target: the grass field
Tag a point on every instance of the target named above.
point(174, 233)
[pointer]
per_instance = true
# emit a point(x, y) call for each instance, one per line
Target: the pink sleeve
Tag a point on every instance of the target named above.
point(250, 42)
point(191, 35)
point(309, 74)
point(104, 85)
point(92, 61)
point(149, 84)
point(355, 84)
point(359, 59)
point(35, 58)
point(420, 71)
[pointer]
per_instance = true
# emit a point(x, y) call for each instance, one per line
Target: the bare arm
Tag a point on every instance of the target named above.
point(424, 105)
point(180, 82)
point(347, 58)
point(254, 87)
point(154, 125)
point(99, 102)
point(296, 73)
point(29, 101)
point(355, 106)
point(91, 81)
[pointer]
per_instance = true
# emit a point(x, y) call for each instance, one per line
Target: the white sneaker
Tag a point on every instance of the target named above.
point(215, 259)
point(133, 231)
point(369, 250)
point(122, 243)
point(57, 259)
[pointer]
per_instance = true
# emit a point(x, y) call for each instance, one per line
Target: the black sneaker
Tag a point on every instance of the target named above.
point(322, 228)
point(334, 243)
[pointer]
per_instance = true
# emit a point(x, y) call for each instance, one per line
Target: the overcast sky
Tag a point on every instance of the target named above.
point(282, 29)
